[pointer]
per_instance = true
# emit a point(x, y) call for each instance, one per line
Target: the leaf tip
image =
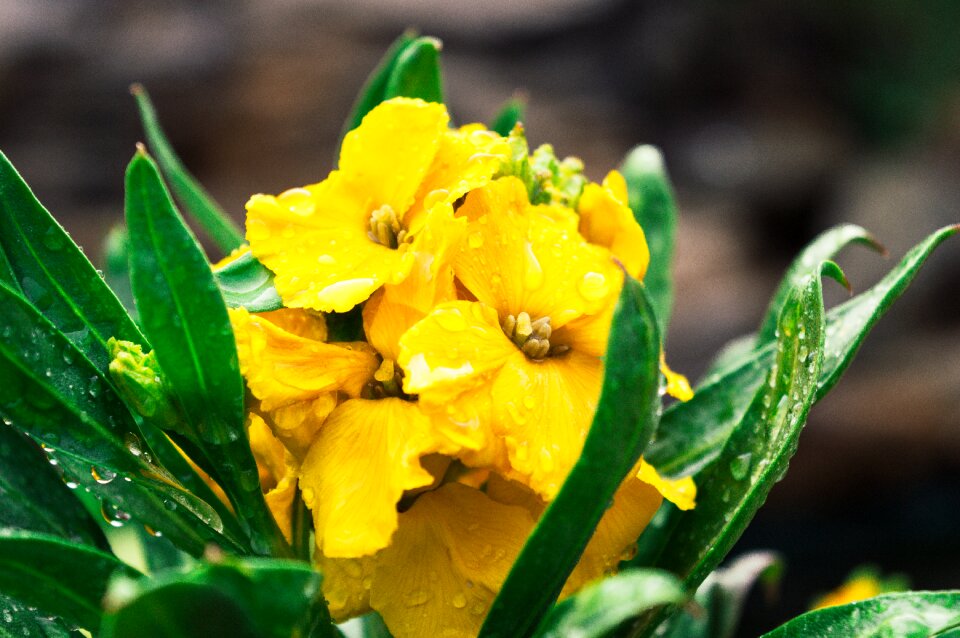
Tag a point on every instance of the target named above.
point(833, 271)
point(136, 89)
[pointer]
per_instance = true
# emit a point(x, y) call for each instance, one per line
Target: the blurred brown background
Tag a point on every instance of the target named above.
point(777, 120)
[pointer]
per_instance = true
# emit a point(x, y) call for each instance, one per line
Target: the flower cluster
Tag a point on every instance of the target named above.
point(427, 445)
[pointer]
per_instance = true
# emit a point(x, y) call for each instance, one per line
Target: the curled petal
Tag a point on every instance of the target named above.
point(606, 220)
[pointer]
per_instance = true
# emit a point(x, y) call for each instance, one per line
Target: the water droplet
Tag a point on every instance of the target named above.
point(417, 597)
point(532, 270)
point(326, 260)
point(103, 475)
point(133, 444)
point(475, 240)
point(71, 485)
point(459, 600)
point(740, 466)
point(451, 320)
point(529, 402)
point(516, 415)
point(593, 286)
point(546, 461)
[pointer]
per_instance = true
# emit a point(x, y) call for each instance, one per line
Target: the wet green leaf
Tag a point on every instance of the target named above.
point(246, 283)
point(824, 247)
point(20, 620)
point(184, 316)
point(511, 114)
point(53, 274)
point(617, 437)
point(651, 199)
point(35, 498)
point(116, 266)
point(902, 615)
point(735, 485)
point(262, 598)
point(691, 434)
point(198, 203)
point(50, 391)
point(416, 72)
point(605, 605)
point(57, 577)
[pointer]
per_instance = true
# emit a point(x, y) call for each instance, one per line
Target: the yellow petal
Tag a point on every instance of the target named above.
point(606, 220)
point(388, 155)
point(544, 409)
point(857, 588)
point(296, 425)
point(267, 451)
point(280, 500)
point(466, 159)
point(516, 259)
point(448, 559)
point(681, 492)
point(677, 385)
point(282, 368)
point(315, 241)
point(346, 584)
point(452, 348)
point(302, 323)
point(364, 458)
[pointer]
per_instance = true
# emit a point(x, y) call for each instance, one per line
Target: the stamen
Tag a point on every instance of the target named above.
point(387, 382)
point(385, 228)
point(532, 337)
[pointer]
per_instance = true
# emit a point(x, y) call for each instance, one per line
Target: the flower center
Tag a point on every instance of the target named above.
point(532, 337)
point(385, 228)
point(387, 382)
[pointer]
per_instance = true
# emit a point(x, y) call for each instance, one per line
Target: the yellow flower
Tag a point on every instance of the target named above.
point(862, 584)
point(522, 363)
point(332, 244)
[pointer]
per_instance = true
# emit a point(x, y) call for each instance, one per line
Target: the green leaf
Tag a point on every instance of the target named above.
point(34, 496)
point(824, 247)
point(617, 437)
point(605, 605)
point(263, 598)
point(20, 620)
point(511, 114)
point(199, 204)
point(902, 615)
point(57, 577)
point(116, 266)
point(756, 455)
point(246, 283)
point(185, 318)
point(50, 391)
point(51, 272)
point(416, 72)
point(691, 434)
point(651, 199)
point(375, 87)
point(721, 598)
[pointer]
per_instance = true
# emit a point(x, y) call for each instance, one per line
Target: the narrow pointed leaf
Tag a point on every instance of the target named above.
point(691, 434)
point(824, 247)
point(34, 496)
point(51, 392)
point(375, 87)
point(652, 201)
point(260, 598)
point(184, 316)
point(116, 266)
point(246, 283)
point(416, 72)
point(25, 621)
point(605, 605)
point(53, 274)
point(916, 614)
point(617, 437)
point(511, 114)
point(199, 204)
point(58, 577)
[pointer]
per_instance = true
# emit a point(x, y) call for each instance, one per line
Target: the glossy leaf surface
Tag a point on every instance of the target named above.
point(246, 283)
point(617, 437)
point(510, 114)
point(691, 434)
point(57, 577)
point(603, 606)
point(261, 598)
point(651, 199)
point(199, 204)
point(185, 318)
point(901, 615)
point(53, 274)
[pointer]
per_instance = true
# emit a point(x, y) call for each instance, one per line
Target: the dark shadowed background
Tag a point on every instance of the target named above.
point(777, 122)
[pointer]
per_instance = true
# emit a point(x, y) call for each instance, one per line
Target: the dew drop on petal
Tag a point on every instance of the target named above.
point(459, 600)
point(593, 286)
point(532, 270)
point(417, 597)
